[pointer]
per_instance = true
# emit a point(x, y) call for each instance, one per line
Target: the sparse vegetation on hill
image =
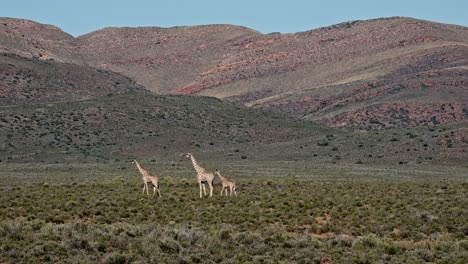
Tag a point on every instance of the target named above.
point(86, 114)
point(377, 73)
point(138, 125)
point(28, 81)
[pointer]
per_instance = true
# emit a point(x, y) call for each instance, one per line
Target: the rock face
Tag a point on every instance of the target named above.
point(394, 72)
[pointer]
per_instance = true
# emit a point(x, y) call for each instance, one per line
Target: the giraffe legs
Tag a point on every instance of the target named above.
point(200, 184)
point(145, 186)
point(232, 190)
point(204, 189)
point(223, 189)
point(210, 184)
point(156, 189)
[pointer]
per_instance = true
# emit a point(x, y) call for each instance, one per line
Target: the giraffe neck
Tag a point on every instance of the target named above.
point(140, 169)
point(221, 177)
point(197, 167)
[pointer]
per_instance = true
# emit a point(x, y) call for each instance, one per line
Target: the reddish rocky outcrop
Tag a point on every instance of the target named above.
point(400, 115)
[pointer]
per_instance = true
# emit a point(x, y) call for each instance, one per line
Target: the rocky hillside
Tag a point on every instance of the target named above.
point(394, 72)
point(62, 112)
point(62, 100)
point(30, 80)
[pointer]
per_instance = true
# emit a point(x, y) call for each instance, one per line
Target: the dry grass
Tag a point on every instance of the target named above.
point(325, 218)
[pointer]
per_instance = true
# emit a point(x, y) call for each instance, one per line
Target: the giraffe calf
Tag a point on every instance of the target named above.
point(226, 183)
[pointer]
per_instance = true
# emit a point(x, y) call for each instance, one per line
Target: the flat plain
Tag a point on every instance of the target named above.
point(286, 212)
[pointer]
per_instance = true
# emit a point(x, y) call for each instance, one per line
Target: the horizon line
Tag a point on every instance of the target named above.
point(226, 24)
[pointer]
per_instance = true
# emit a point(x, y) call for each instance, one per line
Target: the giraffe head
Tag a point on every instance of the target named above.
point(188, 155)
point(217, 172)
point(134, 162)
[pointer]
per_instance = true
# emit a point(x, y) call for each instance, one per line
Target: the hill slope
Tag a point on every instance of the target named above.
point(352, 74)
point(137, 124)
point(161, 127)
point(24, 81)
point(60, 112)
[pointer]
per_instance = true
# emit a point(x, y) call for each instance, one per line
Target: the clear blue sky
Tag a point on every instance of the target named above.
point(83, 16)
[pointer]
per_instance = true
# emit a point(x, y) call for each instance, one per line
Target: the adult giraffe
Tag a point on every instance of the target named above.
point(147, 178)
point(202, 175)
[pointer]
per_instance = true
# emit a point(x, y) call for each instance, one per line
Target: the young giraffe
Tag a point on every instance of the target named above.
point(227, 183)
point(202, 176)
point(148, 178)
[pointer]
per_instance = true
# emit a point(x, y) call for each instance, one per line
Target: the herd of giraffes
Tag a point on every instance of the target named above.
point(203, 176)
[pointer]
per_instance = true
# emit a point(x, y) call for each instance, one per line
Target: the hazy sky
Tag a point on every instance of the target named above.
point(83, 16)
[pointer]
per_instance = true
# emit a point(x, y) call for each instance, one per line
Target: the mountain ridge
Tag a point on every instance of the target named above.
point(242, 65)
point(340, 24)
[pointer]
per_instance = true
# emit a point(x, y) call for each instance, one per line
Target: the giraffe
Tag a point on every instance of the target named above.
point(202, 175)
point(147, 178)
point(227, 183)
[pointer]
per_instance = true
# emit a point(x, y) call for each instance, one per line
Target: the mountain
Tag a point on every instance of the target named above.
point(53, 111)
point(62, 99)
point(380, 73)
